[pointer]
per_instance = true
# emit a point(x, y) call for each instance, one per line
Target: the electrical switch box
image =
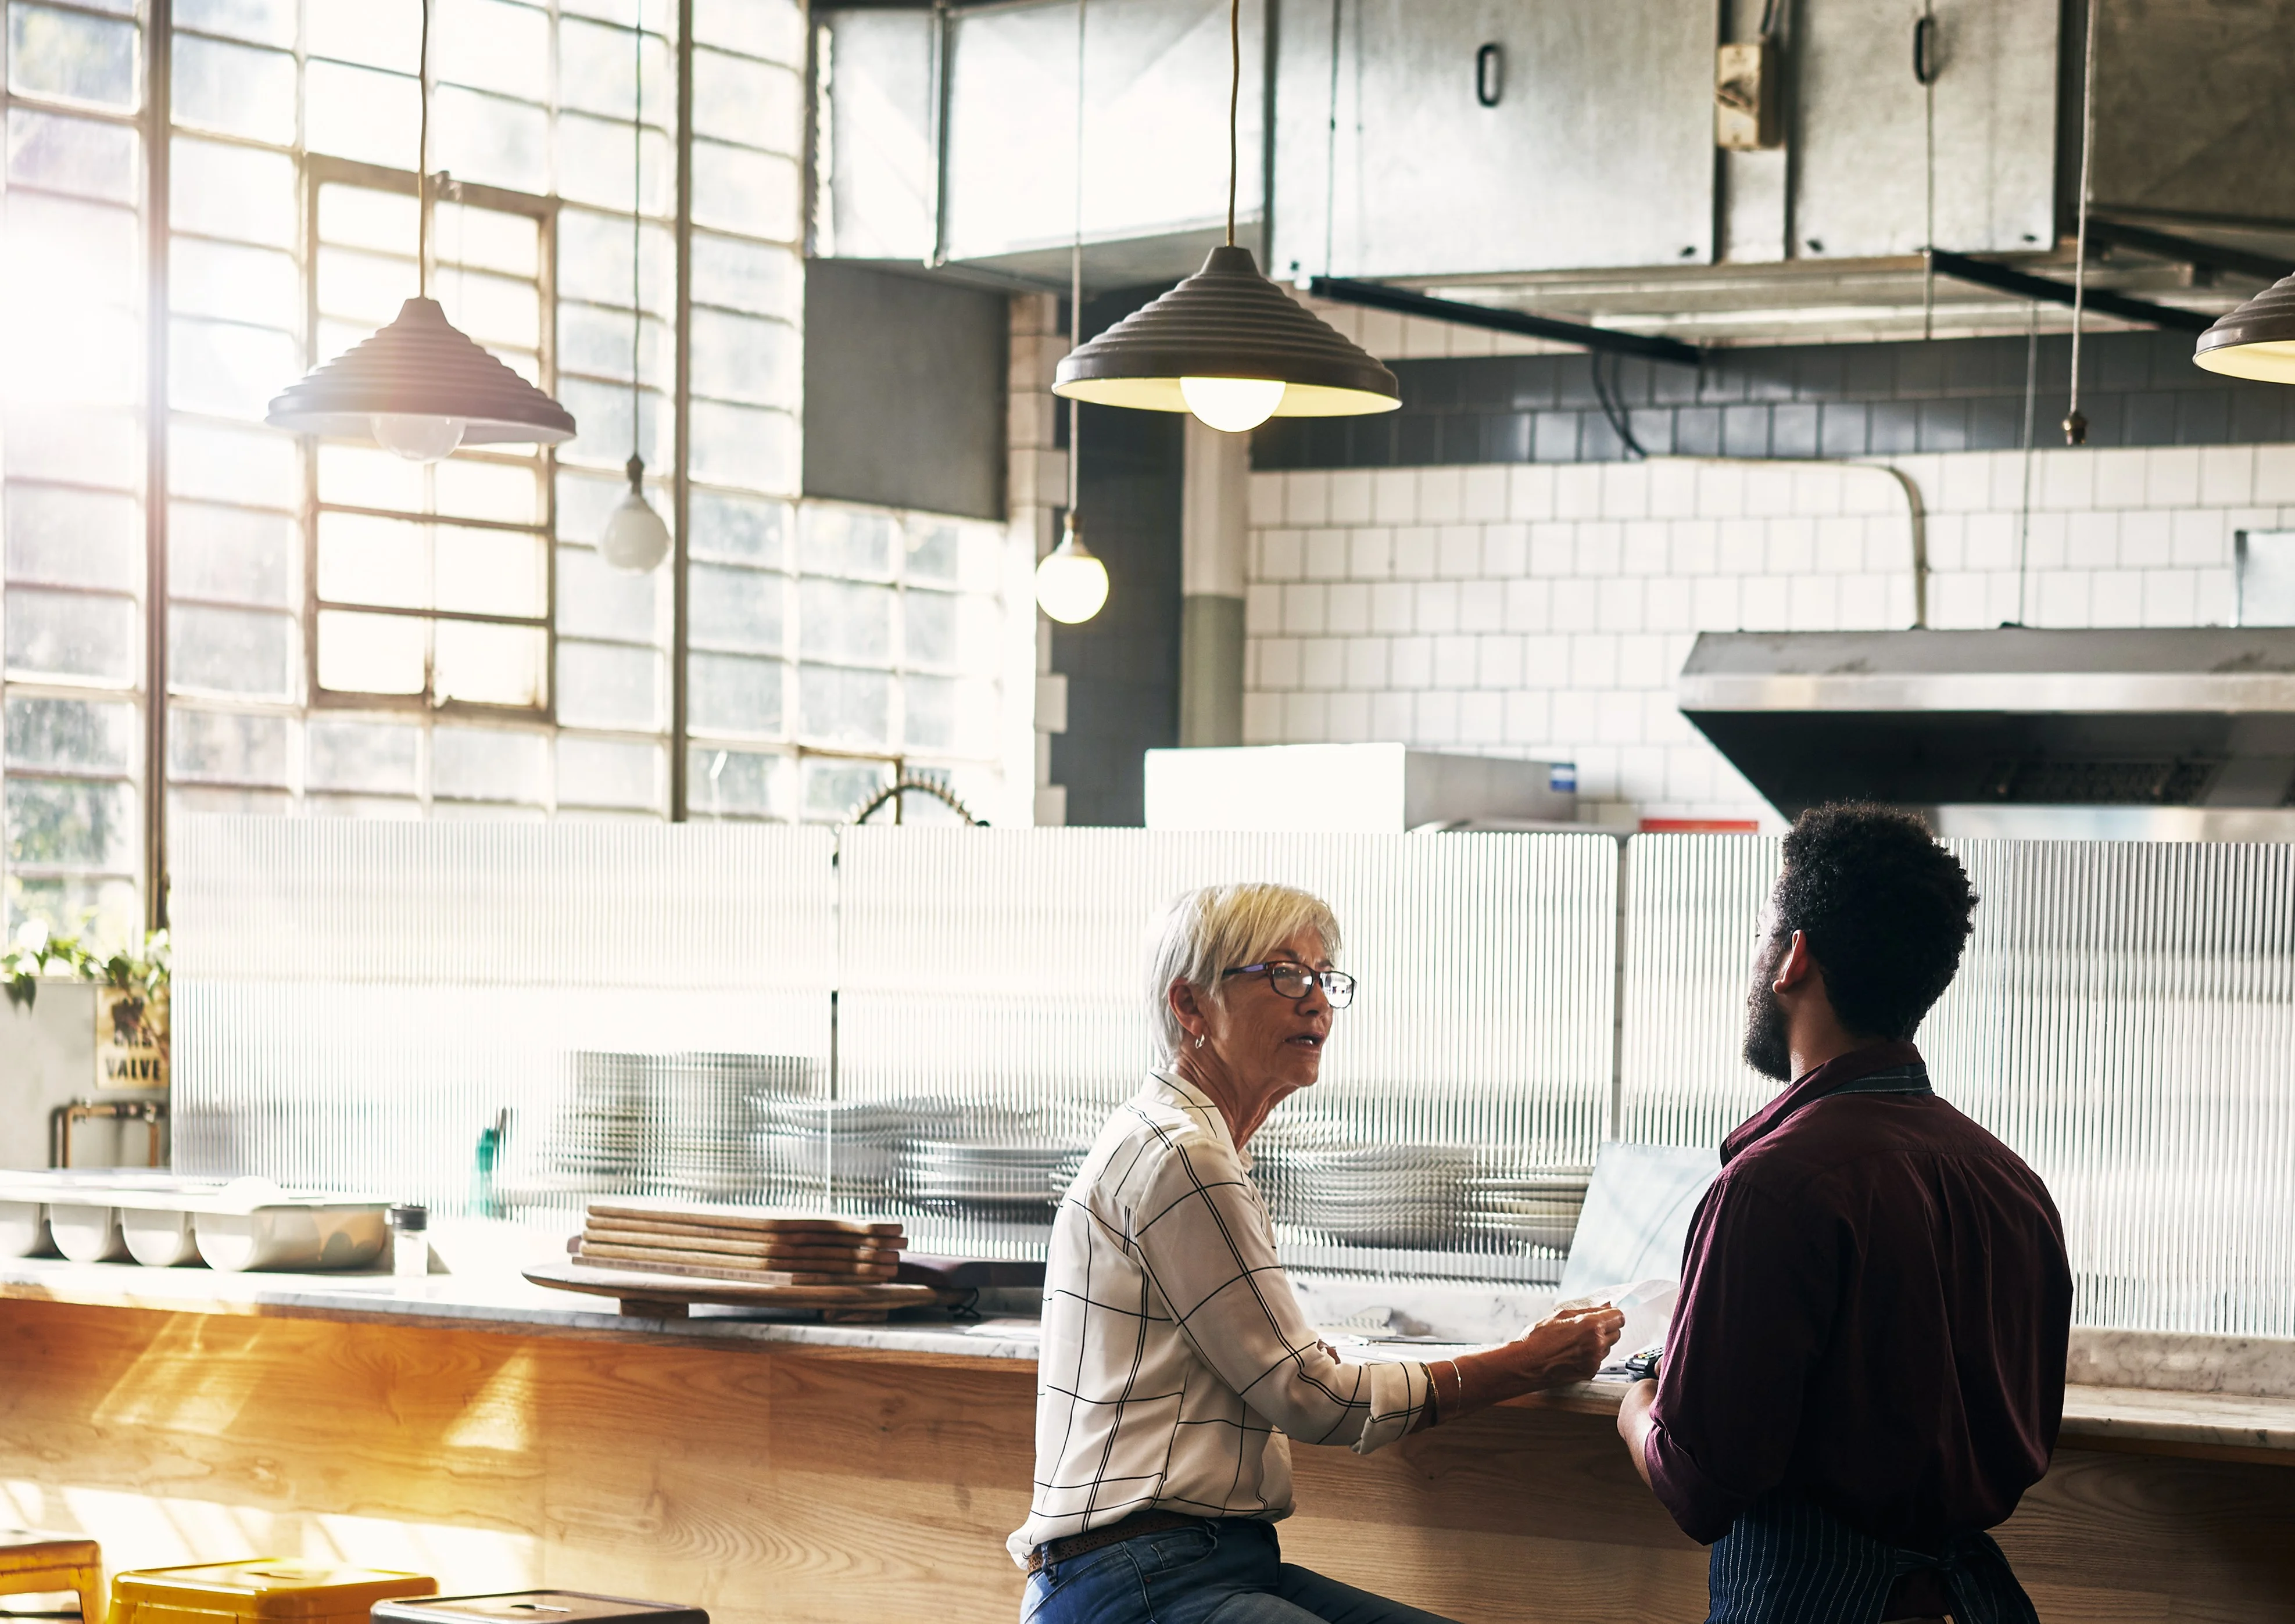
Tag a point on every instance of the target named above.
point(1745, 94)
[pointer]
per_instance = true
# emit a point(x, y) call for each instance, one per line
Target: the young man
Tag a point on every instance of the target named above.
point(1867, 1368)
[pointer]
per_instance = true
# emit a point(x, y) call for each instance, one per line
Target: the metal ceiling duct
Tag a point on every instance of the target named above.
point(2186, 733)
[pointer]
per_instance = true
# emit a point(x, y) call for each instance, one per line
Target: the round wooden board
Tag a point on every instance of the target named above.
point(675, 1293)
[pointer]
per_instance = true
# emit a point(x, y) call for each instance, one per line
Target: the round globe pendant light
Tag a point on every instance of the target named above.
point(1226, 344)
point(419, 387)
point(1071, 582)
point(2256, 340)
point(635, 540)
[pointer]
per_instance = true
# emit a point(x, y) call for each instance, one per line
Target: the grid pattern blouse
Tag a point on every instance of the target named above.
point(1173, 1349)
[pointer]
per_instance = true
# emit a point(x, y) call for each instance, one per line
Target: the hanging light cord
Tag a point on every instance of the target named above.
point(1234, 102)
point(1331, 154)
point(2075, 424)
point(637, 252)
point(1075, 288)
point(1928, 250)
point(423, 163)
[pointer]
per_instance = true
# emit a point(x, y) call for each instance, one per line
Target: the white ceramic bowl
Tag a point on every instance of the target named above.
point(24, 1230)
point(292, 1236)
point(157, 1238)
point(87, 1234)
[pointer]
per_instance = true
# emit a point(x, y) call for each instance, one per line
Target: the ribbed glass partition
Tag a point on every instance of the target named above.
point(994, 1009)
point(934, 1022)
point(500, 1017)
point(2124, 1017)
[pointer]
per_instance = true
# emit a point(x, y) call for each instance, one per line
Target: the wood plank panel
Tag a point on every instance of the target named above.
point(785, 1488)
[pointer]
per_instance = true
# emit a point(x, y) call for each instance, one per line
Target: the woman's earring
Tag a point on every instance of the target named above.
point(1199, 1040)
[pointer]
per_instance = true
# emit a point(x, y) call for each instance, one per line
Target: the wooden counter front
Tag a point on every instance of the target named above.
point(770, 1483)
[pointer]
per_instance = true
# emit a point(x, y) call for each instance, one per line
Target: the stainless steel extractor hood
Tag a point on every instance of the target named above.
point(2176, 734)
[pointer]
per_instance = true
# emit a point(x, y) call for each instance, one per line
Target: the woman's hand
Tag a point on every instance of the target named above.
point(1567, 1346)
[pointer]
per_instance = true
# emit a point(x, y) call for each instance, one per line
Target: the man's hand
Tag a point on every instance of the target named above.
point(1634, 1423)
point(1567, 1346)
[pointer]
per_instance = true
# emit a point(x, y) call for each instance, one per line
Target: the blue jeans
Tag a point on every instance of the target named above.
point(1230, 1571)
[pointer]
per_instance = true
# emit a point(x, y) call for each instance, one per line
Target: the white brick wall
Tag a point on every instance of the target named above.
point(1545, 609)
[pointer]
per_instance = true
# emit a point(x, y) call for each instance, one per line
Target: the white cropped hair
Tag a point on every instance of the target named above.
point(1220, 928)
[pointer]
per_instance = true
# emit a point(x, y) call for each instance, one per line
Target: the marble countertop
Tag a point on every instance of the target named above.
point(2215, 1423)
point(492, 1301)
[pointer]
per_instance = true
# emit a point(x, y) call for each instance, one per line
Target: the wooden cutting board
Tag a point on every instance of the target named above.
point(743, 1218)
point(805, 1246)
point(719, 1272)
point(654, 1296)
point(709, 1263)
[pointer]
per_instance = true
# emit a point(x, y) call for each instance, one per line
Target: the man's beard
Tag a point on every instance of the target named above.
point(1768, 1046)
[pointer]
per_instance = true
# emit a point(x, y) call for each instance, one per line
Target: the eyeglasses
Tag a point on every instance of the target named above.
point(1292, 981)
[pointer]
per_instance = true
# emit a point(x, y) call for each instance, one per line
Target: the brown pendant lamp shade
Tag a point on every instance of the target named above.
point(421, 366)
point(1227, 321)
point(2256, 340)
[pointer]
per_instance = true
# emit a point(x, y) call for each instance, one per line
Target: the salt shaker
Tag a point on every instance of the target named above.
point(409, 1241)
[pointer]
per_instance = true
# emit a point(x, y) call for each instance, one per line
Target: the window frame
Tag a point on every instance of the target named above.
point(320, 169)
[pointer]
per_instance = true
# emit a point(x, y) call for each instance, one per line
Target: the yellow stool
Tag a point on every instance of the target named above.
point(31, 1561)
point(274, 1590)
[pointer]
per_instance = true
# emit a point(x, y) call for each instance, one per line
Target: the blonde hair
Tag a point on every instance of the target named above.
point(1218, 928)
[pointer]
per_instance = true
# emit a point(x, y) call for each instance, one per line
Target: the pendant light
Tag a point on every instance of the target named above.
point(2256, 340)
point(635, 539)
point(1226, 344)
point(1071, 582)
point(419, 386)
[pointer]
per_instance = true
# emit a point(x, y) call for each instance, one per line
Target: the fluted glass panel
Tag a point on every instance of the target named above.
point(2122, 1017)
point(993, 1008)
point(359, 1005)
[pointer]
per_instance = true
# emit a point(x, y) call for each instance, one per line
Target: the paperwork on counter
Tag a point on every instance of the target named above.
point(1638, 1205)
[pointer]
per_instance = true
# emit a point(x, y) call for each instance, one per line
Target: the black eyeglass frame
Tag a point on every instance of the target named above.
point(1338, 986)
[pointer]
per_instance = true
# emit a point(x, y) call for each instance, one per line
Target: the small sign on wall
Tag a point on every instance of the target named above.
point(131, 1040)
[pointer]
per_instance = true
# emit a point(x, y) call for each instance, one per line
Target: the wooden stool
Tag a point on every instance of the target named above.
point(31, 1561)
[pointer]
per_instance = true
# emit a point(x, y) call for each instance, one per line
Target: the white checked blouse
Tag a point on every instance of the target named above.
point(1173, 1349)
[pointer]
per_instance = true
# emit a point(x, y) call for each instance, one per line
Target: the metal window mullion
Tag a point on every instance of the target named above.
point(73, 775)
point(681, 480)
point(236, 606)
point(158, 83)
point(526, 622)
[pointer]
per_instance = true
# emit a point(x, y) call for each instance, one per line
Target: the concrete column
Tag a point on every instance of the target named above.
point(1215, 532)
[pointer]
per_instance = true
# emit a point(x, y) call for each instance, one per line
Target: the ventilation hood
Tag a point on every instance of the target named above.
point(2178, 734)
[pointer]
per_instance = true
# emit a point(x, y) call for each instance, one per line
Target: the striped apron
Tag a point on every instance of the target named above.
point(1789, 1561)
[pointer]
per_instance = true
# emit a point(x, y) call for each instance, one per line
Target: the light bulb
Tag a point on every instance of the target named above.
point(635, 538)
point(1071, 584)
point(1232, 404)
point(417, 436)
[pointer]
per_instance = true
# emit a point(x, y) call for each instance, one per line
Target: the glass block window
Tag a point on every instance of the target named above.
point(355, 634)
point(833, 646)
point(73, 361)
point(348, 634)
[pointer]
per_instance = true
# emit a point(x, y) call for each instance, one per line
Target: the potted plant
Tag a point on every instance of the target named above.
point(131, 999)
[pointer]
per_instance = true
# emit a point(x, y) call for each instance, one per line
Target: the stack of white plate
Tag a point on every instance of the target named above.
point(1522, 1207)
point(1407, 1195)
point(1005, 1177)
point(851, 1145)
point(630, 1124)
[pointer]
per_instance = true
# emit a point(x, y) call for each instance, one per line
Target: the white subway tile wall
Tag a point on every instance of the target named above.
point(1545, 610)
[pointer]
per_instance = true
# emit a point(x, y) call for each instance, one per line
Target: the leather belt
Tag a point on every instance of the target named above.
point(1092, 1539)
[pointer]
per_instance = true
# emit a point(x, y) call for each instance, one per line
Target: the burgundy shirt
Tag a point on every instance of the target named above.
point(1875, 1304)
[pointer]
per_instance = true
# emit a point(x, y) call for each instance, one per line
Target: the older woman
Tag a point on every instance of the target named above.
point(1173, 1347)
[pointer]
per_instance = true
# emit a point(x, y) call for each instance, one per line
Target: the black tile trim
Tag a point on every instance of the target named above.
point(1839, 400)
